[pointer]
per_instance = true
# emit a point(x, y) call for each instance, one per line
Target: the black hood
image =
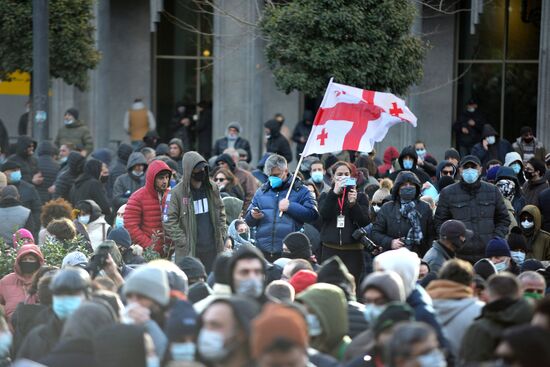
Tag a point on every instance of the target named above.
point(92, 168)
point(402, 177)
point(123, 152)
point(442, 165)
point(46, 148)
point(488, 130)
point(227, 159)
point(23, 142)
point(274, 127)
point(410, 151)
point(75, 162)
point(91, 207)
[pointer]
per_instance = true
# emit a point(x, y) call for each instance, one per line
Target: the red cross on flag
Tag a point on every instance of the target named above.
point(354, 119)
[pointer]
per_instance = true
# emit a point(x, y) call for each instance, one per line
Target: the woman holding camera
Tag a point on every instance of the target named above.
point(343, 210)
point(406, 221)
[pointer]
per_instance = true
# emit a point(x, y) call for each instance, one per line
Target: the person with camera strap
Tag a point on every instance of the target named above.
point(343, 210)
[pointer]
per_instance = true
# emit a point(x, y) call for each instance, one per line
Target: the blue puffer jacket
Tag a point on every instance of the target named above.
point(272, 229)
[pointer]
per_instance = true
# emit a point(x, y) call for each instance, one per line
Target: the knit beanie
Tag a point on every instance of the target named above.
point(10, 165)
point(23, 235)
point(192, 267)
point(516, 240)
point(235, 125)
point(393, 313)
point(531, 265)
point(103, 155)
point(484, 268)
point(278, 322)
point(123, 152)
point(492, 173)
point(198, 291)
point(299, 245)
point(121, 237)
point(497, 247)
point(221, 268)
point(405, 263)
point(302, 280)
point(75, 258)
point(149, 282)
point(380, 195)
point(388, 283)
point(73, 112)
point(452, 153)
point(334, 271)
point(182, 321)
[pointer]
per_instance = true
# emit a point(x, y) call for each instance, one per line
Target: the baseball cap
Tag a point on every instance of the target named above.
point(454, 228)
point(470, 159)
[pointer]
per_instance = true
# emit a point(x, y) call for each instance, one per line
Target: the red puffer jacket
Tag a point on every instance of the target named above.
point(14, 286)
point(142, 217)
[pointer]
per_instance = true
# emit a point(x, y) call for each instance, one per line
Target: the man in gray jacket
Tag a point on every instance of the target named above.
point(130, 182)
point(453, 300)
point(452, 236)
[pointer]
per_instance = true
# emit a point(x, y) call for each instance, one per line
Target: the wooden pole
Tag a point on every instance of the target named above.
point(293, 179)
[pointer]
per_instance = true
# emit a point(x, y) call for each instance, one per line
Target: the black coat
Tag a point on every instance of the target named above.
point(302, 130)
point(419, 172)
point(24, 319)
point(73, 352)
point(49, 168)
point(88, 187)
point(28, 196)
point(66, 177)
point(42, 339)
point(221, 144)
point(482, 209)
point(277, 143)
point(474, 132)
point(28, 164)
point(204, 132)
point(544, 206)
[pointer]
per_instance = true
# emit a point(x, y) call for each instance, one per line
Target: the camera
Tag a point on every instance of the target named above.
point(361, 236)
point(97, 262)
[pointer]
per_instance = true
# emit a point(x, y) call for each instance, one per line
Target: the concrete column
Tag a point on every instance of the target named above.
point(543, 110)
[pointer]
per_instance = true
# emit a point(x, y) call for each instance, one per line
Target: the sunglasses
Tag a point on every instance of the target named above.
point(447, 173)
point(218, 179)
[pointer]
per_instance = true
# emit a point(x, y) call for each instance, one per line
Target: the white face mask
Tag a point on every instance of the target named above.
point(527, 224)
point(376, 208)
point(211, 345)
point(84, 219)
point(491, 140)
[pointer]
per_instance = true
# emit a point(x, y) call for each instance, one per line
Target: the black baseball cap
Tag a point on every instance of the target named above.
point(470, 159)
point(453, 229)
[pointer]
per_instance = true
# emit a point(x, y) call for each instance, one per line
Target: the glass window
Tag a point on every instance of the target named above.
point(523, 30)
point(520, 107)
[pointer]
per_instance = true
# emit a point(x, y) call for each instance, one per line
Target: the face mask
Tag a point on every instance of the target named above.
point(407, 193)
point(103, 179)
point(199, 176)
point(252, 288)
point(507, 188)
point(526, 224)
point(433, 359)
point(501, 266)
point(231, 136)
point(275, 181)
point(119, 222)
point(458, 243)
point(376, 208)
point(528, 140)
point(68, 121)
point(372, 312)
point(407, 164)
point(490, 140)
point(84, 219)
point(267, 136)
point(153, 361)
point(244, 236)
point(528, 175)
point(65, 306)
point(471, 109)
point(28, 267)
point(137, 173)
point(63, 159)
point(183, 351)
point(516, 167)
point(5, 343)
point(518, 257)
point(211, 345)
point(313, 325)
point(421, 153)
point(470, 175)
point(15, 176)
point(317, 176)
point(533, 295)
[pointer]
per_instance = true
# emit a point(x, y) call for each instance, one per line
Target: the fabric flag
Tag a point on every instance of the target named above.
point(354, 119)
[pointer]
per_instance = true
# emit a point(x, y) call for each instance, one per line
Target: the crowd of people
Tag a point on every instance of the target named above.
point(357, 261)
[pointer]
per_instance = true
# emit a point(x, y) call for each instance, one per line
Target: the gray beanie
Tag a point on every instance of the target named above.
point(149, 282)
point(387, 282)
point(235, 125)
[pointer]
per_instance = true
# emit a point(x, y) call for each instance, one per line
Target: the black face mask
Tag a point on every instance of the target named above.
point(199, 176)
point(528, 140)
point(29, 267)
point(103, 179)
point(528, 175)
point(407, 193)
point(458, 243)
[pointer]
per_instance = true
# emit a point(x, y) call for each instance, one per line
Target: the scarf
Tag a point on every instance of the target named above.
point(408, 210)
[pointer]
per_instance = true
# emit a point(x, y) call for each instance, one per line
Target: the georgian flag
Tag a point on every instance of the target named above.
point(354, 119)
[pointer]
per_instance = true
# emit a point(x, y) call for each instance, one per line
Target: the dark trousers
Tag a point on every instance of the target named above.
point(207, 258)
point(353, 259)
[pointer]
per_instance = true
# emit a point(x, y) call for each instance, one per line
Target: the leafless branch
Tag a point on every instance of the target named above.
point(448, 82)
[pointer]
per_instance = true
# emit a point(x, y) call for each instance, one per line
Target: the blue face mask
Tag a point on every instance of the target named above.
point(15, 176)
point(518, 257)
point(173, 183)
point(434, 358)
point(516, 167)
point(421, 153)
point(470, 175)
point(119, 222)
point(501, 266)
point(153, 361)
point(372, 312)
point(317, 176)
point(407, 164)
point(183, 351)
point(65, 306)
point(275, 181)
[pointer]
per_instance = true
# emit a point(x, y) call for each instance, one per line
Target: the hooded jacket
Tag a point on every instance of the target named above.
point(247, 181)
point(328, 303)
point(272, 229)
point(390, 224)
point(66, 178)
point(277, 143)
point(390, 154)
point(77, 134)
point(532, 188)
point(456, 309)
point(118, 165)
point(419, 172)
point(223, 143)
point(88, 187)
point(519, 146)
point(482, 337)
point(143, 214)
point(14, 216)
point(97, 228)
point(14, 286)
point(302, 131)
point(544, 205)
point(538, 240)
point(127, 184)
point(181, 225)
point(180, 144)
point(442, 165)
point(49, 168)
point(28, 164)
point(498, 150)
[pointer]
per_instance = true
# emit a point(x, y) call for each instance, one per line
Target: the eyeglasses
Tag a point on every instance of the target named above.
point(446, 173)
point(219, 179)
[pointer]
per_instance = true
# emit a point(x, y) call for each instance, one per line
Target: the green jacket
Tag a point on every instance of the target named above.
point(328, 303)
point(483, 336)
point(76, 133)
point(181, 225)
point(538, 240)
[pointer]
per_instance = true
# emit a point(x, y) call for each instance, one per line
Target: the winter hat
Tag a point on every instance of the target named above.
point(199, 291)
point(235, 125)
point(492, 173)
point(75, 258)
point(394, 313)
point(10, 165)
point(244, 252)
point(452, 153)
point(516, 240)
point(73, 112)
point(123, 152)
point(497, 247)
point(302, 280)
point(221, 268)
point(380, 195)
point(121, 237)
point(177, 279)
point(388, 283)
point(182, 321)
point(162, 149)
point(484, 268)
point(103, 155)
point(192, 267)
point(512, 157)
point(227, 159)
point(298, 244)
point(282, 261)
point(278, 322)
point(3, 180)
point(531, 265)
point(22, 234)
point(405, 263)
point(334, 271)
point(149, 282)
